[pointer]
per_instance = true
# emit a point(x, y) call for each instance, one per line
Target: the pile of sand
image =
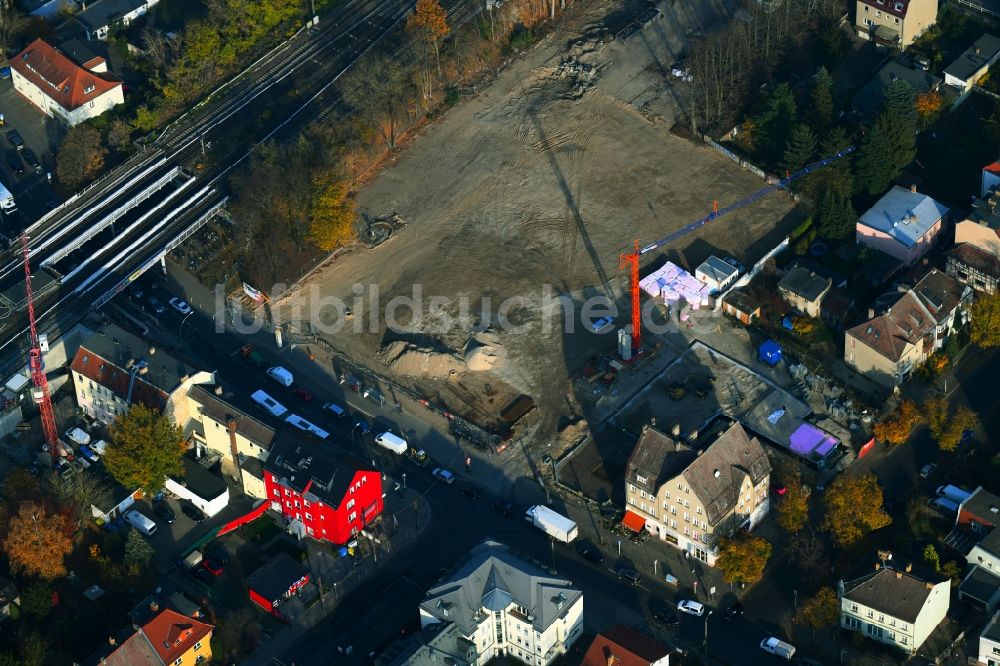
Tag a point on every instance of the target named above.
point(484, 352)
point(406, 358)
point(570, 436)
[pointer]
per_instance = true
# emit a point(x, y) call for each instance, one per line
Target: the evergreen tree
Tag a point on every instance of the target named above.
point(901, 99)
point(885, 151)
point(837, 176)
point(822, 100)
point(800, 149)
point(776, 122)
point(137, 549)
point(837, 218)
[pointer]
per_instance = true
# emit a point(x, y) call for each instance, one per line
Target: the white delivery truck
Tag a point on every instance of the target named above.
point(552, 523)
point(394, 443)
point(778, 648)
point(7, 204)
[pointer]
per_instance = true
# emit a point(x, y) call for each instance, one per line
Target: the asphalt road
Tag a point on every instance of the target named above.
point(386, 605)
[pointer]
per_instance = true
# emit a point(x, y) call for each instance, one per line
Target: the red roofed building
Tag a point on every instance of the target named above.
point(894, 22)
point(169, 639)
point(624, 646)
point(60, 87)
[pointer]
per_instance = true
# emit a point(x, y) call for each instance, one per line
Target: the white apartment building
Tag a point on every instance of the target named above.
point(895, 606)
point(989, 642)
point(497, 605)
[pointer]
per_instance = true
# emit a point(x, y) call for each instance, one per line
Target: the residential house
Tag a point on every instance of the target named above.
point(717, 274)
point(276, 584)
point(207, 491)
point(114, 369)
point(624, 646)
point(868, 101)
point(973, 65)
point(46, 9)
point(169, 639)
point(252, 476)
point(989, 642)
point(8, 597)
point(974, 267)
point(888, 347)
point(981, 227)
point(903, 223)
point(321, 493)
point(978, 517)
point(895, 605)
point(98, 18)
point(497, 605)
point(894, 23)
point(227, 430)
point(69, 92)
point(688, 496)
point(804, 289)
point(114, 503)
point(740, 304)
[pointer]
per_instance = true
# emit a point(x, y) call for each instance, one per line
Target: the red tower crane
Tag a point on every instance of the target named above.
point(40, 392)
point(630, 259)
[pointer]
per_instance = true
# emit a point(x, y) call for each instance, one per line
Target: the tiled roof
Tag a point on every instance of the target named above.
point(897, 593)
point(221, 411)
point(940, 294)
point(715, 476)
point(904, 215)
point(135, 651)
point(741, 300)
point(975, 58)
point(103, 371)
point(494, 578)
point(977, 258)
point(302, 463)
point(889, 7)
point(837, 303)
point(273, 580)
point(804, 283)
point(624, 646)
point(70, 85)
point(657, 458)
point(172, 634)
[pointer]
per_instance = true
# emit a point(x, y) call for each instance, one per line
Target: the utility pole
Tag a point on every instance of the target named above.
point(708, 615)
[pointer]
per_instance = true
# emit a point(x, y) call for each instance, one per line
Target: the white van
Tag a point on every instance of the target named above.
point(335, 409)
point(394, 443)
point(308, 426)
point(78, 437)
point(280, 375)
point(269, 403)
point(140, 522)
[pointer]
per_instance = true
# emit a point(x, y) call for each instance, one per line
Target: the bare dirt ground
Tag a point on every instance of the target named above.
point(535, 186)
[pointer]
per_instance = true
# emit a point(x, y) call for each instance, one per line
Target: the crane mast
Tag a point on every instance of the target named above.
point(40, 390)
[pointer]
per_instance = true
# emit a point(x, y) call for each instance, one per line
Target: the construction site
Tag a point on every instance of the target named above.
point(518, 205)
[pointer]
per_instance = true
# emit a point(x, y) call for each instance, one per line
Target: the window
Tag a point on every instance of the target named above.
point(881, 618)
point(350, 504)
point(870, 23)
point(852, 622)
point(673, 510)
point(687, 531)
point(666, 495)
point(352, 517)
point(897, 21)
point(871, 614)
point(631, 488)
point(699, 510)
point(665, 506)
point(874, 631)
point(640, 479)
point(197, 646)
point(178, 661)
point(866, 8)
point(308, 516)
point(902, 639)
point(297, 505)
point(277, 493)
point(306, 503)
point(687, 489)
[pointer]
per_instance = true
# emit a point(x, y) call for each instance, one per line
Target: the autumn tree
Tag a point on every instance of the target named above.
point(37, 542)
point(793, 508)
point(332, 218)
point(984, 330)
point(931, 557)
point(896, 428)
point(742, 558)
point(80, 157)
point(820, 611)
point(376, 87)
point(854, 508)
point(429, 25)
point(146, 447)
point(929, 104)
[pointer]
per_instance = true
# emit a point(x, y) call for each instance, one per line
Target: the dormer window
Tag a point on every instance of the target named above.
point(88, 89)
point(899, 6)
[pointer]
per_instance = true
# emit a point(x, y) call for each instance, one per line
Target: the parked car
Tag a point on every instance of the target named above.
point(734, 611)
point(32, 160)
point(665, 616)
point(471, 492)
point(589, 552)
point(157, 306)
point(444, 475)
point(212, 566)
point(180, 305)
point(927, 470)
point(203, 575)
point(192, 512)
point(15, 139)
point(14, 162)
point(165, 513)
point(503, 506)
point(630, 575)
point(303, 394)
point(600, 325)
point(690, 607)
point(362, 426)
point(779, 489)
point(216, 551)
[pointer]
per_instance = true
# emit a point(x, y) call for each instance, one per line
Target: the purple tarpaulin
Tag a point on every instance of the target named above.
point(808, 439)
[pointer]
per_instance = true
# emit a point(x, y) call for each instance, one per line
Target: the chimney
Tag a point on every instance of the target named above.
point(609, 656)
point(676, 430)
point(978, 50)
point(909, 567)
point(154, 607)
point(871, 313)
point(930, 586)
point(693, 436)
point(218, 389)
point(234, 450)
point(899, 574)
point(913, 188)
point(152, 350)
point(878, 565)
point(112, 641)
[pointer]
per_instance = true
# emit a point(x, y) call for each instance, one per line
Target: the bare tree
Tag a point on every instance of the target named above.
point(12, 22)
point(78, 493)
point(377, 90)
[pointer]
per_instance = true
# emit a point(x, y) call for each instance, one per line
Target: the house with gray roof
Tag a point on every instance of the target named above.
point(98, 18)
point(903, 223)
point(868, 101)
point(496, 605)
point(804, 289)
point(895, 603)
point(973, 64)
point(717, 274)
point(690, 494)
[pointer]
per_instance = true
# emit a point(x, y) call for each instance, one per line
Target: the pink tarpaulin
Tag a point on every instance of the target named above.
point(808, 440)
point(674, 284)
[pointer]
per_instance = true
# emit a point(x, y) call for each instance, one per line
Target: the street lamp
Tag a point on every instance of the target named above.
point(708, 615)
point(404, 480)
